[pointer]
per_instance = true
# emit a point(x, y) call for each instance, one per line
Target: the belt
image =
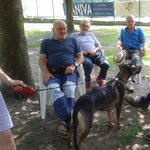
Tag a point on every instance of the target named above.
point(56, 69)
point(132, 49)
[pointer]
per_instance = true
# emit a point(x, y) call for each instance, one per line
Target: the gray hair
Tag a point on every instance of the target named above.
point(85, 22)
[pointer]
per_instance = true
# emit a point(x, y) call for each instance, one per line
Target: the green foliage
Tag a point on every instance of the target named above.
point(107, 37)
point(101, 123)
point(129, 134)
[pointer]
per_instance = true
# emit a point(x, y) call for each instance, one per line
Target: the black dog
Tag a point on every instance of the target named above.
point(101, 99)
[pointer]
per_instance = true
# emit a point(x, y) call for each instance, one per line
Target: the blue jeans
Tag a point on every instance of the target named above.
point(61, 90)
point(98, 59)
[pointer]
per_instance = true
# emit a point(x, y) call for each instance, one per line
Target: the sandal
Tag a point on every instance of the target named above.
point(63, 129)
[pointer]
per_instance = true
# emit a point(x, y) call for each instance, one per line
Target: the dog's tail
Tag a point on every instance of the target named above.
point(83, 116)
point(75, 125)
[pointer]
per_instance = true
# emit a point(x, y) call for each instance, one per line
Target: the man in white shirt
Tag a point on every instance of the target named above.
point(93, 54)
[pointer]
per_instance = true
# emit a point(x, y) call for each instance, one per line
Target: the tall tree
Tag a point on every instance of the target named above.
point(14, 58)
point(69, 15)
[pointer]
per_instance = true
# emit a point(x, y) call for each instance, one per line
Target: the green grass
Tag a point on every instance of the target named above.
point(108, 39)
point(33, 32)
point(32, 38)
point(129, 134)
point(106, 36)
point(33, 44)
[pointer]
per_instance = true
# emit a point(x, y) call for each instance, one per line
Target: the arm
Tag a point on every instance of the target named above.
point(144, 48)
point(119, 45)
point(10, 82)
point(78, 61)
point(79, 58)
point(43, 66)
point(98, 46)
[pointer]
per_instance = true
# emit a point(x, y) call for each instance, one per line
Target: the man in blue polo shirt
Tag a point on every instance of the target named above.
point(132, 40)
point(59, 59)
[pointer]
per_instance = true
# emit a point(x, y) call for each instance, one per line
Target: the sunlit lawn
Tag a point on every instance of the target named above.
point(106, 36)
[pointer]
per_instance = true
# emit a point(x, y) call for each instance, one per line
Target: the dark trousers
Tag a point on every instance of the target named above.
point(134, 56)
point(98, 59)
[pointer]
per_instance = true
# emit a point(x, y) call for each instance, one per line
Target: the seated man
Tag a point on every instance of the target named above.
point(59, 59)
point(93, 54)
point(133, 41)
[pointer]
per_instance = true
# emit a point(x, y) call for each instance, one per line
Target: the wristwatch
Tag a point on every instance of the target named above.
point(76, 64)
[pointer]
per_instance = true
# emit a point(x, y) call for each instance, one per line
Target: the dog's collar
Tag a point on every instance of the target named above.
point(117, 78)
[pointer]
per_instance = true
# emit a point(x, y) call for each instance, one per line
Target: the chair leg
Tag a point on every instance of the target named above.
point(43, 96)
point(139, 78)
point(43, 103)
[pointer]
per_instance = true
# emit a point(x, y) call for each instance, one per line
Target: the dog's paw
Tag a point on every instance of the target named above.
point(118, 125)
point(110, 125)
point(69, 143)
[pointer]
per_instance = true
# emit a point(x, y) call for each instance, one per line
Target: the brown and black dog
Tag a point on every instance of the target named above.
point(101, 99)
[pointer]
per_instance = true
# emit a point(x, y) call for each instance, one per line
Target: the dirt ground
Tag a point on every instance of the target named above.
point(33, 133)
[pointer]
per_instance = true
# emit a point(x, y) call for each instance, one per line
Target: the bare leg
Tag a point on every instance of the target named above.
point(6, 141)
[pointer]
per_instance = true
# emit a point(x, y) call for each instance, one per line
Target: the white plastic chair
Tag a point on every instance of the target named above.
point(44, 101)
point(43, 96)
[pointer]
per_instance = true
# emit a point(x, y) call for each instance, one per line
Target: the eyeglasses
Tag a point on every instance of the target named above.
point(60, 29)
point(85, 26)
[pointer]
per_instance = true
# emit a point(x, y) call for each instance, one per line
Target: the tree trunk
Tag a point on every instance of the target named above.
point(14, 58)
point(69, 15)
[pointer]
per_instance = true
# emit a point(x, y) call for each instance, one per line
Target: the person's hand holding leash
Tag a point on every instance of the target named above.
point(17, 83)
point(20, 87)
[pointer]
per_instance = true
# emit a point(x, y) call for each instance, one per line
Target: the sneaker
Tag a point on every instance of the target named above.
point(99, 81)
point(136, 102)
point(88, 86)
point(147, 137)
